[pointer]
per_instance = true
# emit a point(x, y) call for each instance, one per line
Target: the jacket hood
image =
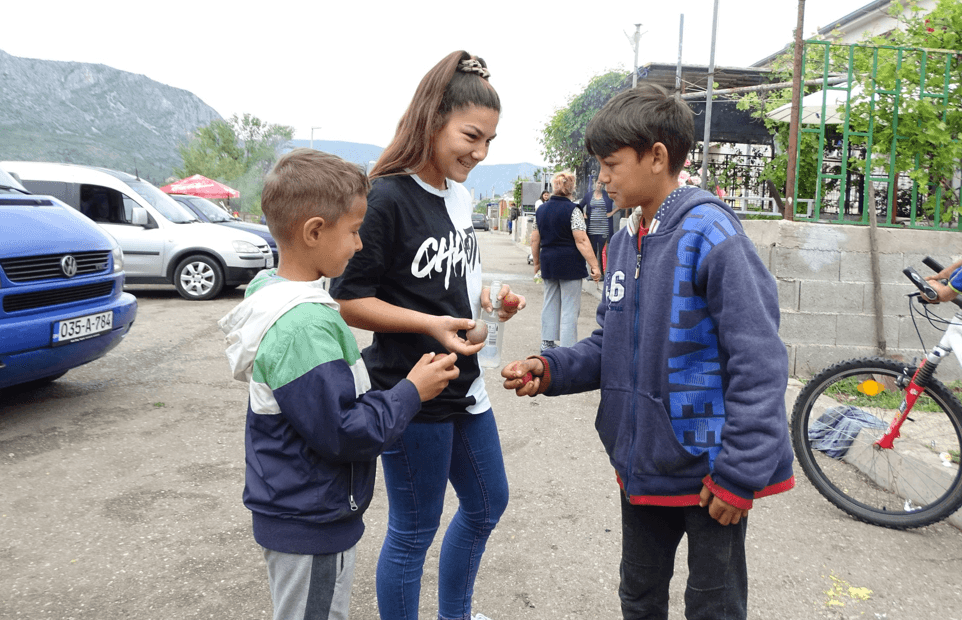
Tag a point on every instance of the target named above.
point(246, 325)
point(676, 206)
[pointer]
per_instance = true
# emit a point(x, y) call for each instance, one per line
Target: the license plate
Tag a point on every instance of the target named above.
point(270, 261)
point(72, 330)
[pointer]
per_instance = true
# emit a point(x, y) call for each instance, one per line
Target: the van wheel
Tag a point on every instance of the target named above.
point(198, 278)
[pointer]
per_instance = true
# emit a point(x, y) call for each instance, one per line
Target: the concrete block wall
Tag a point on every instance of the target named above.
point(825, 290)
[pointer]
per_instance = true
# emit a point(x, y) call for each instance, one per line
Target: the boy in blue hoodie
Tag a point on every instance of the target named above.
point(691, 369)
point(313, 428)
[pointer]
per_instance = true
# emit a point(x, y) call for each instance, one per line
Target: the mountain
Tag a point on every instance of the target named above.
point(355, 152)
point(94, 114)
point(483, 179)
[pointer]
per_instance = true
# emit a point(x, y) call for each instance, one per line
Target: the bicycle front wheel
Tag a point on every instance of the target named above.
point(845, 409)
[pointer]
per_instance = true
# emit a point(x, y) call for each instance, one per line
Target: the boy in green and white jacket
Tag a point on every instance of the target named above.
point(314, 430)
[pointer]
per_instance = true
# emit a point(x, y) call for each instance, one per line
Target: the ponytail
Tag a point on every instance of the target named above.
point(460, 80)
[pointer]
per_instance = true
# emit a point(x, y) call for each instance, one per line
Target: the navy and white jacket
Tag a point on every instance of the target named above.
point(687, 355)
point(314, 431)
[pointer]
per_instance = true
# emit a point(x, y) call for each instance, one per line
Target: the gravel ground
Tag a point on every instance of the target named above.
point(120, 490)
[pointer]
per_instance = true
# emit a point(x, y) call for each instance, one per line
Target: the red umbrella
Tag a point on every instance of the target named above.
point(199, 185)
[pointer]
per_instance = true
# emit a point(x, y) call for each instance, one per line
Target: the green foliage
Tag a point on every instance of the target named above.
point(563, 140)
point(542, 174)
point(213, 151)
point(928, 126)
point(762, 104)
point(928, 129)
point(260, 141)
point(518, 191)
point(238, 152)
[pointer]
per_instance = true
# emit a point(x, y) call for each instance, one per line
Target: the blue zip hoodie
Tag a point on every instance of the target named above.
point(687, 355)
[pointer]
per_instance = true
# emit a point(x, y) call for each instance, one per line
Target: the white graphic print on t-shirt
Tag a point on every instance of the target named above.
point(456, 254)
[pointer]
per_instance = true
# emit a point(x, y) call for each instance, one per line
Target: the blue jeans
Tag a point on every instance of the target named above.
point(560, 312)
point(717, 572)
point(464, 449)
point(597, 245)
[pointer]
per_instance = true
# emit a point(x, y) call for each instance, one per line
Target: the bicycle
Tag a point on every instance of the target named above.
point(880, 438)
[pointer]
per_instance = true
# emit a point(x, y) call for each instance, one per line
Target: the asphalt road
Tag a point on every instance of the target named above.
point(120, 497)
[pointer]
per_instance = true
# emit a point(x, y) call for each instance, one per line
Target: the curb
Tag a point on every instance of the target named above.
point(791, 393)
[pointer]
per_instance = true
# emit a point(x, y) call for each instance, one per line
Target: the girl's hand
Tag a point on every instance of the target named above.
point(511, 303)
point(445, 330)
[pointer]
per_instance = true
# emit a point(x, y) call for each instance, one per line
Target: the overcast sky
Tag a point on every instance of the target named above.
point(350, 68)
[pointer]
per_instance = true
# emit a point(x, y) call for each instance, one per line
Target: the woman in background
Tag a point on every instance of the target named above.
point(598, 209)
point(560, 248)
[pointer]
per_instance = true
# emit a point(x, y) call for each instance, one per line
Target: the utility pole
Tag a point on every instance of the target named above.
point(635, 40)
point(708, 96)
point(312, 137)
point(681, 35)
point(793, 128)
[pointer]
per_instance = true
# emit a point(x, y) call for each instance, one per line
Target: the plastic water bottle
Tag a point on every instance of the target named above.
point(490, 355)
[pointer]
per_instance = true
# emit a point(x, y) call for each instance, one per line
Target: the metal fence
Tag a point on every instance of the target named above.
point(735, 175)
point(859, 136)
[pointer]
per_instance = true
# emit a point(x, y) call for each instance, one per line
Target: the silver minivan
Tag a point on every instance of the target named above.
point(163, 242)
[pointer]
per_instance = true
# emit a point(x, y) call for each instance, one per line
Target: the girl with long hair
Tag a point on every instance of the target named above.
point(416, 284)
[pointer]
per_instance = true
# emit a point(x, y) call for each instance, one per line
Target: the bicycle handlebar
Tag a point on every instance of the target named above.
point(928, 293)
point(932, 264)
point(925, 289)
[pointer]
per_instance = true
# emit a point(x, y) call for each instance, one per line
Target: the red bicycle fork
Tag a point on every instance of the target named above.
point(912, 393)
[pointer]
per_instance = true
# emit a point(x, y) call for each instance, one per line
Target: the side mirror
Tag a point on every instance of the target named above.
point(139, 217)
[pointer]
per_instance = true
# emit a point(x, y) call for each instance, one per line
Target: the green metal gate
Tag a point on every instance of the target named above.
point(871, 93)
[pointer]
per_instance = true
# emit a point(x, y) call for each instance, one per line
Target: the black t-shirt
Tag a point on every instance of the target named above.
point(420, 253)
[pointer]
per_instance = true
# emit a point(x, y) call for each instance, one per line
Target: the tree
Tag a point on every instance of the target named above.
point(260, 141)
point(518, 192)
point(212, 151)
point(763, 103)
point(563, 140)
point(929, 120)
point(238, 152)
point(928, 147)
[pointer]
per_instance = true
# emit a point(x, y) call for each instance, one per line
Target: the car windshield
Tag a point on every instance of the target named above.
point(211, 210)
point(167, 206)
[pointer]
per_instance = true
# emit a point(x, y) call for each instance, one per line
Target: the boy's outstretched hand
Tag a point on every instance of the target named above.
point(525, 377)
point(432, 374)
point(719, 509)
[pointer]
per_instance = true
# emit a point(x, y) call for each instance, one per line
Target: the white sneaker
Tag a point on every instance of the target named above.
point(479, 617)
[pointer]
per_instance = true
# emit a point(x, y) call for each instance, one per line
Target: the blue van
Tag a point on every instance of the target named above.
point(61, 288)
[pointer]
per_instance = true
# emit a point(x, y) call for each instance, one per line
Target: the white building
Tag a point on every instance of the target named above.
point(873, 19)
